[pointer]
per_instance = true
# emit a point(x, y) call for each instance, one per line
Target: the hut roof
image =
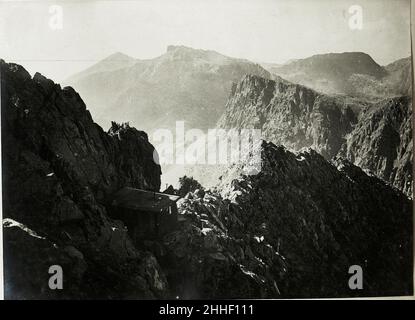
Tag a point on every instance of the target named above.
point(143, 200)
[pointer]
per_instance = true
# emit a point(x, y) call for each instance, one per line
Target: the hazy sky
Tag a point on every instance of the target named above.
point(259, 30)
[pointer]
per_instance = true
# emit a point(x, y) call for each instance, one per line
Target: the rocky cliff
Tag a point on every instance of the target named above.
point(58, 169)
point(290, 114)
point(376, 136)
point(293, 230)
point(381, 142)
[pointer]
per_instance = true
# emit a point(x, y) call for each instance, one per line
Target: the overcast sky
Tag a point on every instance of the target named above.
point(259, 30)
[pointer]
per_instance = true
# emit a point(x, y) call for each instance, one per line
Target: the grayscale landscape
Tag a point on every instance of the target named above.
point(84, 187)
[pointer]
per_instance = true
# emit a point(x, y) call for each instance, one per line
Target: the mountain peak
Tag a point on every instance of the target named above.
point(119, 56)
point(173, 47)
point(331, 73)
point(200, 56)
point(353, 57)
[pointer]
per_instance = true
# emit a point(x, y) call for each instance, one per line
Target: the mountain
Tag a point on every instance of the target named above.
point(290, 114)
point(292, 230)
point(396, 82)
point(114, 62)
point(375, 136)
point(285, 113)
point(381, 142)
point(58, 169)
point(351, 73)
point(182, 84)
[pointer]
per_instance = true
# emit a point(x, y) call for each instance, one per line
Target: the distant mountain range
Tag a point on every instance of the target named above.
point(114, 62)
point(290, 114)
point(193, 85)
point(182, 84)
point(351, 73)
point(329, 102)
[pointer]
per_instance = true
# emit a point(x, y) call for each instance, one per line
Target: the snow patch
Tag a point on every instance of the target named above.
point(259, 239)
point(9, 223)
point(205, 231)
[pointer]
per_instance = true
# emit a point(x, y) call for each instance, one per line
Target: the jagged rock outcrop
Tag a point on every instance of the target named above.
point(290, 114)
point(293, 230)
point(208, 260)
point(59, 168)
point(382, 142)
point(376, 136)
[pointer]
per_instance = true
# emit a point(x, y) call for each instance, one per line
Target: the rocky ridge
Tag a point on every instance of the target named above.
point(293, 230)
point(58, 169)
point(381, 142)
point(290, 114)
point(377, 136)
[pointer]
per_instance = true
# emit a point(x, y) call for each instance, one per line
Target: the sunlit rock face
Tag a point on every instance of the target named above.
point(293, 230)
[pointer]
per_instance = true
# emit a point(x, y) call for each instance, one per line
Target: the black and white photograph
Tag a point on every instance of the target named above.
point(215, 150)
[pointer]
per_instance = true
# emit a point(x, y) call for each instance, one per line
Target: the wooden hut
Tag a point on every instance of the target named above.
point(147, 214)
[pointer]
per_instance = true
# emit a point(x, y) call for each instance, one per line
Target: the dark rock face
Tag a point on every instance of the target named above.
point(28, 257)
point(382, 142)
point(293, 230)
point(58, 169)
point(290, 114)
